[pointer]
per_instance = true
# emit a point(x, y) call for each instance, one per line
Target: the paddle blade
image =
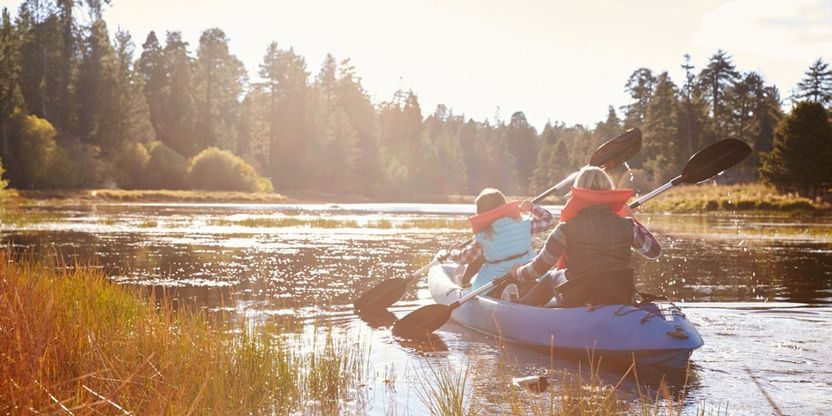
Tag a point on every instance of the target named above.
point(617, 150)
point(421, 322)
point(382, 295)
point(714, 159)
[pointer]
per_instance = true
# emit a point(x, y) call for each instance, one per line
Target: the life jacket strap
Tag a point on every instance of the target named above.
point(508, 258)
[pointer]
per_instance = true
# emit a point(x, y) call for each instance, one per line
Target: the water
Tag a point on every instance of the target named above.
point(758, 289)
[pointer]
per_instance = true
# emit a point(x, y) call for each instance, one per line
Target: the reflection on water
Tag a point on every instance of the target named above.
point(710, 263)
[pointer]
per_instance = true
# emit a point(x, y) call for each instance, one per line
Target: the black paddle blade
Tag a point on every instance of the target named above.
point(714, 159)
point(376, 318)
point(421, 322)
point(617, 150)
point(383, 295)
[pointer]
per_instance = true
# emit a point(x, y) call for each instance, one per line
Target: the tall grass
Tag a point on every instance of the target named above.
point(73, 343)
point(450, 391)
point(741, 197)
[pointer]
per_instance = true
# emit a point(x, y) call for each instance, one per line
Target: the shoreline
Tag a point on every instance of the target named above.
point(750, 199)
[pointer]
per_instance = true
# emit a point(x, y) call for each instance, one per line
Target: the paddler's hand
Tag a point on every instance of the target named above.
point(513, 272)
point(526, 206)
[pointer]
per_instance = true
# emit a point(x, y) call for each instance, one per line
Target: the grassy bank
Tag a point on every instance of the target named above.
point(73, 343)
point(730, 198)
point(119, 195)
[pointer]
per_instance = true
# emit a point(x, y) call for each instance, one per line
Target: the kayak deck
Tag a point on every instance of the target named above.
point(655, 333)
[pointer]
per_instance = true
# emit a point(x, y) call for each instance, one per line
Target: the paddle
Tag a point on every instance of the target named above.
point(703, 165)
point(609, 155)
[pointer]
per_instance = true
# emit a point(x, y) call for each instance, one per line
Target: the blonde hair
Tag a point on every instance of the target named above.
point(593, 177)
point(488, 199)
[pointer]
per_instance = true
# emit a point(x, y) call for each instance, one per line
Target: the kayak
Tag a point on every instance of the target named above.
point(653, 333)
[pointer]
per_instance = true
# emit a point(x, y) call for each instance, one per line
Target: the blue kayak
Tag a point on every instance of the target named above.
point(654, 333)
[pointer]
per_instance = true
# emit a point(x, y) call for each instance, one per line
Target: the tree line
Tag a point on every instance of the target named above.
point(79, 109)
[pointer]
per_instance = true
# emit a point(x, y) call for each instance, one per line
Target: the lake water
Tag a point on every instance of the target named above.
point(758, 289)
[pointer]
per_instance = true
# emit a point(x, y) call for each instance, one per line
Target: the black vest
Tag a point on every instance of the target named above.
point(597, 241)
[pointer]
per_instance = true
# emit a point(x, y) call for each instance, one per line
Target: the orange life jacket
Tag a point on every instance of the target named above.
point(481, 221)
point(580, 198)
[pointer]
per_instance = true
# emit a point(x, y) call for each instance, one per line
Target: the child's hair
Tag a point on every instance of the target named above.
point(488, 199)
point(592, 177)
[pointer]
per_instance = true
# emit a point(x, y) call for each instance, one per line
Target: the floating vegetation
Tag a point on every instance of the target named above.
point(149, 224)
point(319, 222)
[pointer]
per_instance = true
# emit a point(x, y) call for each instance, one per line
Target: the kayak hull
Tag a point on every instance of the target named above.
point(655, 333)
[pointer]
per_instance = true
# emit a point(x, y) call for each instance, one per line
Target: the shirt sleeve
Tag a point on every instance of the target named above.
point(543, 219)
point(546, 258)
point(467, 254)
point(644, 242)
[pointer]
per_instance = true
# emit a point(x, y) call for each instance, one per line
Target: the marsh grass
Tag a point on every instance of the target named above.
point(14, 217)
point(73, 343)
point(743, 197)
point(450, 390)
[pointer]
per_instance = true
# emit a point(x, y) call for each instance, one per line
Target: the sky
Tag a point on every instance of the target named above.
point(554, 60)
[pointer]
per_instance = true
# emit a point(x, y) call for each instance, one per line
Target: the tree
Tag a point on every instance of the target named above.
point(717, 77)
point(693, 114)
point(755, 110)
point(284, 83)
point(802, 150)
point(97, 87)
point(11, 97)
point(218, 79)
point(522, 143)
point(640, 88)
point(41, 49)
point(152, 68)
point(660, 128)
point(816, 86)
point(177, 126)
point(131, 112)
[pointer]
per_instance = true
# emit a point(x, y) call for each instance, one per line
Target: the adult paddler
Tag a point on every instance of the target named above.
point(591, 246)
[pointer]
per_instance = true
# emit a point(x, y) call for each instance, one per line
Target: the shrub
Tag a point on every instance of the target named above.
point(74, 165)
point(35, 149)
point(220, 170)
point(166, 169)
point(131, 166)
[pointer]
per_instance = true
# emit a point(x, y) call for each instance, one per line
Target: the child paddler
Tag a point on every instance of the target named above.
point(591, 246)
point(503, 236)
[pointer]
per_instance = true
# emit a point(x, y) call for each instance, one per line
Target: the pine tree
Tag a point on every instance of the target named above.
point(219, 78)
point(802, 150)
point(355, 102)
point(522, 143)
point(132, 113)
point(640, 88)
point(11, 97)
point(177, 126)
point(693, 114)
point(661, 129)
point(285, 84)
point(151, 65)
point(97, 87)
point(715, 79)
point(816, 86)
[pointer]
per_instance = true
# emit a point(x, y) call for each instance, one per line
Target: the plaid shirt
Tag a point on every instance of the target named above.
point(542, 221)
point(643, 243)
